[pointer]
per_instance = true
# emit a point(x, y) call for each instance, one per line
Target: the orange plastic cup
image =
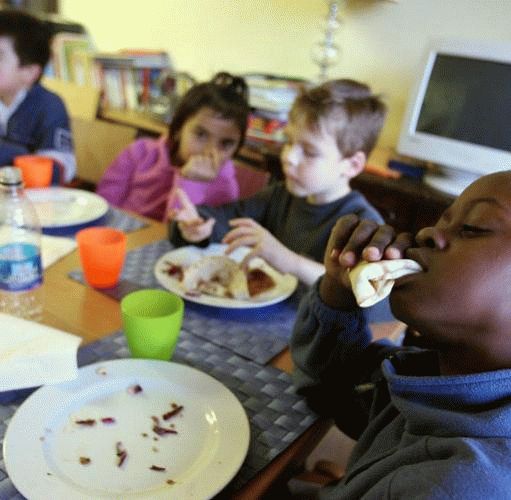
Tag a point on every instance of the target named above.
point(102, 252)
point(36, 171)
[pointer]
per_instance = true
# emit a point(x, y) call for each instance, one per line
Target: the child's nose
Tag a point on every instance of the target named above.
point(290, 156)
point(431, 237)
point(210, 147)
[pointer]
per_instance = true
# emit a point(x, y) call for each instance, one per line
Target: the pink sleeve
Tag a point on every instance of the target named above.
point(225, 187)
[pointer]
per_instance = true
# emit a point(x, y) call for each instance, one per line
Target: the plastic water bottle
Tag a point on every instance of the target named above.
point(21, 271)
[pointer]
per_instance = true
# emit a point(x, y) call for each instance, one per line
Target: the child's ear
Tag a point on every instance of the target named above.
point(355, 164)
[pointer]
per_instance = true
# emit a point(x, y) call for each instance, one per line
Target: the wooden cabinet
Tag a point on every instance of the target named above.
point(405, 204)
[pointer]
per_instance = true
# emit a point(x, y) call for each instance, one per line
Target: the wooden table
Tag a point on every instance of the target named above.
point(83, 311)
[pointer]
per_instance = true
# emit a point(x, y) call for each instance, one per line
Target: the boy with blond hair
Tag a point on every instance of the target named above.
point(331, 130)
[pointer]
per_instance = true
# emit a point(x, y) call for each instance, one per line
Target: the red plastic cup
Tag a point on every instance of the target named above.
point(102, 252)
point(36, 171)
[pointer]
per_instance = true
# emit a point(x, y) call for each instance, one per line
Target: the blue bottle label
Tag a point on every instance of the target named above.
point(20, 267)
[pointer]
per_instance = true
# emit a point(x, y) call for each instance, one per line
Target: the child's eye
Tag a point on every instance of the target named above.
point(200, 134)
point(227, 144)
point(472, 231)
point(310, 154)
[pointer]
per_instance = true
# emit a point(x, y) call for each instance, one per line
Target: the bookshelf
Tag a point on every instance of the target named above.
point(134, 80)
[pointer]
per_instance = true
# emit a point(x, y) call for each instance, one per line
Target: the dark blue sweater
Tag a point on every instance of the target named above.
point(39, 123)
point(300, 226)
point(420, 435)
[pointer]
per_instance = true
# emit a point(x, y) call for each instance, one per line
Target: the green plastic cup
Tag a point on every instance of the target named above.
point(152, 322)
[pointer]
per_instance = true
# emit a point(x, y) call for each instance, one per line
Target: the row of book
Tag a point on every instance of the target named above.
point(130, 79)
point(145, 81)
point(271, 98)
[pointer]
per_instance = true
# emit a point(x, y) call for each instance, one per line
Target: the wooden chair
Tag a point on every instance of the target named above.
point(97, 143)
point(250, 179)
point(81, 101)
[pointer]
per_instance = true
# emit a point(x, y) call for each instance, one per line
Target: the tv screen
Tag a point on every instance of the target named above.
point(459, 112)
point(468, 100)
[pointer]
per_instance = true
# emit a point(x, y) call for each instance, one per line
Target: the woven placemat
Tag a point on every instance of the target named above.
point(257, 334)
point(277, 415)
point(119, 219)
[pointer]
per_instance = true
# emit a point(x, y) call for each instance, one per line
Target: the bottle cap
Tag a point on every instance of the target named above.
point(10, 176)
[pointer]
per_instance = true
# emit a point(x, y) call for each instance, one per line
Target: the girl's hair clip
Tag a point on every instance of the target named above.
point(231, 83)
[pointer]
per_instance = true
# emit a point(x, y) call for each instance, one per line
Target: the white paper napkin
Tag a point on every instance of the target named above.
point(371, 282)
point(53, 248)
point(32, 354)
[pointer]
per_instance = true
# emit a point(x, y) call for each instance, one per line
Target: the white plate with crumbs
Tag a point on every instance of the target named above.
point(60, 207)
point(181, 258)
point(127, 428)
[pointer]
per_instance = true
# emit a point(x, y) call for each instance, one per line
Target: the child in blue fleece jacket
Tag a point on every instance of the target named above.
point(33, 120)
point(432, 420)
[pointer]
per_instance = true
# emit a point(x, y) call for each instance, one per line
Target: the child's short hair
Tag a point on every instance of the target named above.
point(224, 93)
point(31, 37)
point(347, 109)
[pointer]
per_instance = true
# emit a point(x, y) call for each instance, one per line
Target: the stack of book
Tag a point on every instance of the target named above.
point(72, 59)
point(270, 98)
point(132, 79)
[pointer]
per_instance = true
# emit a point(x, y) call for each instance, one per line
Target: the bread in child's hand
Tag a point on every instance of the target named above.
point(371, 282)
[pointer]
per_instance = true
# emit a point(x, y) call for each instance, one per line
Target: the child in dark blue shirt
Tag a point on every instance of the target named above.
point(432, 419)
point(33, 120)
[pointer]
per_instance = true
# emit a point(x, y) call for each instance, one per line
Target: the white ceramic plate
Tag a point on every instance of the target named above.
point(43, 443)
point(184, 256)
point(59, 207)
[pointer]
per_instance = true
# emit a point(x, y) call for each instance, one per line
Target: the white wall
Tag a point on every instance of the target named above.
point(381, 41)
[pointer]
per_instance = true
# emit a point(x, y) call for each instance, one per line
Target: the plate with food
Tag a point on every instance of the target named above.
point(64, 209)
point(127, 428)
point(208, 276)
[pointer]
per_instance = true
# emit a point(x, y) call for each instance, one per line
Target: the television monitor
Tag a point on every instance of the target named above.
point(459, 113)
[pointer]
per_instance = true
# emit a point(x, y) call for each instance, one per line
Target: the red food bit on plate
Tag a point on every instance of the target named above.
point(258, 282)
point(177, 409)
point(85, 460)
point(86, 421)
point(158, 468)
point(121, 453)
point(174, 270)
point(108, 420)
point(135, 389)
point(161, 431)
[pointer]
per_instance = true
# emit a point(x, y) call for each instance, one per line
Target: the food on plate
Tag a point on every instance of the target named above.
point(121, 453)
point(220, 276)
point(174, 270)
point(216, 275)
point(158, 468)
point(172, 413)
point(259, 282)
point(134, 389)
